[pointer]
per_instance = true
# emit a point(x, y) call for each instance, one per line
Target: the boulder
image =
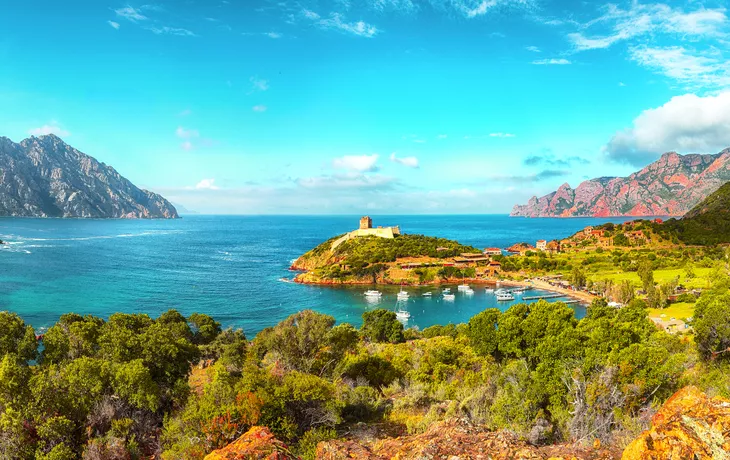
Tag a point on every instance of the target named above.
point(257, 443)
point(689, 425)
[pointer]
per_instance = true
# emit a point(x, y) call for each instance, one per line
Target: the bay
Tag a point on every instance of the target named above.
point(230, 267)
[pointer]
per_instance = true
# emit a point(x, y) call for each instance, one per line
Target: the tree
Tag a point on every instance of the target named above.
point(483, 332)
point(578, 277)
point(712, 326)
point(16, 337)
point(205, 329)
point(381, 326)
point(646, 275)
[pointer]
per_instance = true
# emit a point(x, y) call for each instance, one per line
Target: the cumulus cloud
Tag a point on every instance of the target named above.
point(51, 128)
point(686, 124)
point(206, 184)
point(411, 162)
point(553, 61)
point(357, 163)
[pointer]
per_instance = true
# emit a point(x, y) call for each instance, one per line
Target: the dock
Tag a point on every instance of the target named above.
point(546, 296)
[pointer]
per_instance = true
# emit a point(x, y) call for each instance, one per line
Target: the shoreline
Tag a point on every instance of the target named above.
point(582, 296)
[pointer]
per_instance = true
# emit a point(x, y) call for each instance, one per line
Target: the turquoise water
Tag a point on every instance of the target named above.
point(230, 267)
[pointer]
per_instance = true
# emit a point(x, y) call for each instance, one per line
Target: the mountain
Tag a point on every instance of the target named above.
point(705, 224)
point(670, 186)
point(45, 177)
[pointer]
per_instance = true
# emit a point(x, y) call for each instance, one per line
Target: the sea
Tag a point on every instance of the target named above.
point(234, 268)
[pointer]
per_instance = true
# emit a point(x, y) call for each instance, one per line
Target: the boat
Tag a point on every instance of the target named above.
point(489, 290)
point(504, 296)
point(447, 290)
point(372, 293)
point(427, 294)
point(469, 292)
point(449, 297)
point(402, 295)
point(402, 314)
point(463, 287)
point(518, 292)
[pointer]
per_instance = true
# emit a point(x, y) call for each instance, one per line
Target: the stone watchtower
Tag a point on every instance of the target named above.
point(365, 223)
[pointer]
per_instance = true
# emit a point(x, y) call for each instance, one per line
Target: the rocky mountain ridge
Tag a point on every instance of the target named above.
point(45, 177)
point(670, 186)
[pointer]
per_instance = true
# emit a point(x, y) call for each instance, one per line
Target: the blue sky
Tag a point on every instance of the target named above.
point(354, 106)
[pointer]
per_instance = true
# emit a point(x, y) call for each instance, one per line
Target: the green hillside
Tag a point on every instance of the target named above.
point(706, 224)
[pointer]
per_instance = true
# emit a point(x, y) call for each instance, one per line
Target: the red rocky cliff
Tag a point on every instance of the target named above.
point(670, 186)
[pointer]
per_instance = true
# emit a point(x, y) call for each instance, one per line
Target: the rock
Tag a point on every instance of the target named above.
point(45, 177)
point(453, 439)
point(689, 425)
point(256, 443)
point(670, 186)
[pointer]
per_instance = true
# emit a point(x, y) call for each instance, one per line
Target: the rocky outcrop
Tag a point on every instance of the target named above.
point(689, 425)
point(45, 177)
point(454, 439)
point(256, 443)
point(670, 186)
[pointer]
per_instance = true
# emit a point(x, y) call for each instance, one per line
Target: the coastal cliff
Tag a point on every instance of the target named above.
point(670, 186)
point(45, 177)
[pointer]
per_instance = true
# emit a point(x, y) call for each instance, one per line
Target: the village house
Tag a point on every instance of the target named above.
point(605, 242)
point(541, 245)
point(554, 247)
point(587, 231)
point(635, 235)
point(494, 268)
point(492, 252)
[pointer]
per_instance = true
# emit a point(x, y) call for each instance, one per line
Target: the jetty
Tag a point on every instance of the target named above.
point(546, 296)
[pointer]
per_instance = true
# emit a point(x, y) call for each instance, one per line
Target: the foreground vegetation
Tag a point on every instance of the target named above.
point(133, 386)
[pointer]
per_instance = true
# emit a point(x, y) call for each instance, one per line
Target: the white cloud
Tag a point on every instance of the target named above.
point(502, 135)
point(553, 61)
point(187, 145)
point(687, 124)
point(164, 30)
point(442, 136)
point(52, 128)
point(183, 133)
point(310, 15)
point(477, 8)
point(259, 108)
point(692, 68)
point(114, 25)
point(534, 49)
point(130, 14)
point(352, 181)
point(621, 84)
point(259, 84)
point(400, 6)
point(619, 24)
point(337, 22)
point(358, 163)
point(206, 184)
point(411, 162)
point(273, 35)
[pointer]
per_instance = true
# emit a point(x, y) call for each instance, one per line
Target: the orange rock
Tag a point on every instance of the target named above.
point(689, 426)
point(257, 443)
point(453, 440)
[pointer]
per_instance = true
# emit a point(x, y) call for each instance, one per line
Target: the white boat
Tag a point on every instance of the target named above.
point(469, 292)
point(489, 290)
point(518, 292)
point(427, 294)
point(449, 297)
point(402, 314)
point(372, 293)
point(402, 295)
point(463, 287)
point(447, 290)
point(504, 296)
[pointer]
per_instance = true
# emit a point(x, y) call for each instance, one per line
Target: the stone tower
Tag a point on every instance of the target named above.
point(366, 222)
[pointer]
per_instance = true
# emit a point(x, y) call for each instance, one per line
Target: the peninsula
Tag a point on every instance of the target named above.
point(384, 255)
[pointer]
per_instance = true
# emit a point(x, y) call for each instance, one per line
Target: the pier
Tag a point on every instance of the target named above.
point(546, 296)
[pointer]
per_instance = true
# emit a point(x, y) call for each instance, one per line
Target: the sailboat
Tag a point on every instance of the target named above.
point(402, 295)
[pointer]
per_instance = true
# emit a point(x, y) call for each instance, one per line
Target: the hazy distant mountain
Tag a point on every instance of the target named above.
point(670, 186)
point(45, 177)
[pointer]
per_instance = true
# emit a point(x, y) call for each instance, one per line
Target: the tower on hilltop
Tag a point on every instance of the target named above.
point(366, 223)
